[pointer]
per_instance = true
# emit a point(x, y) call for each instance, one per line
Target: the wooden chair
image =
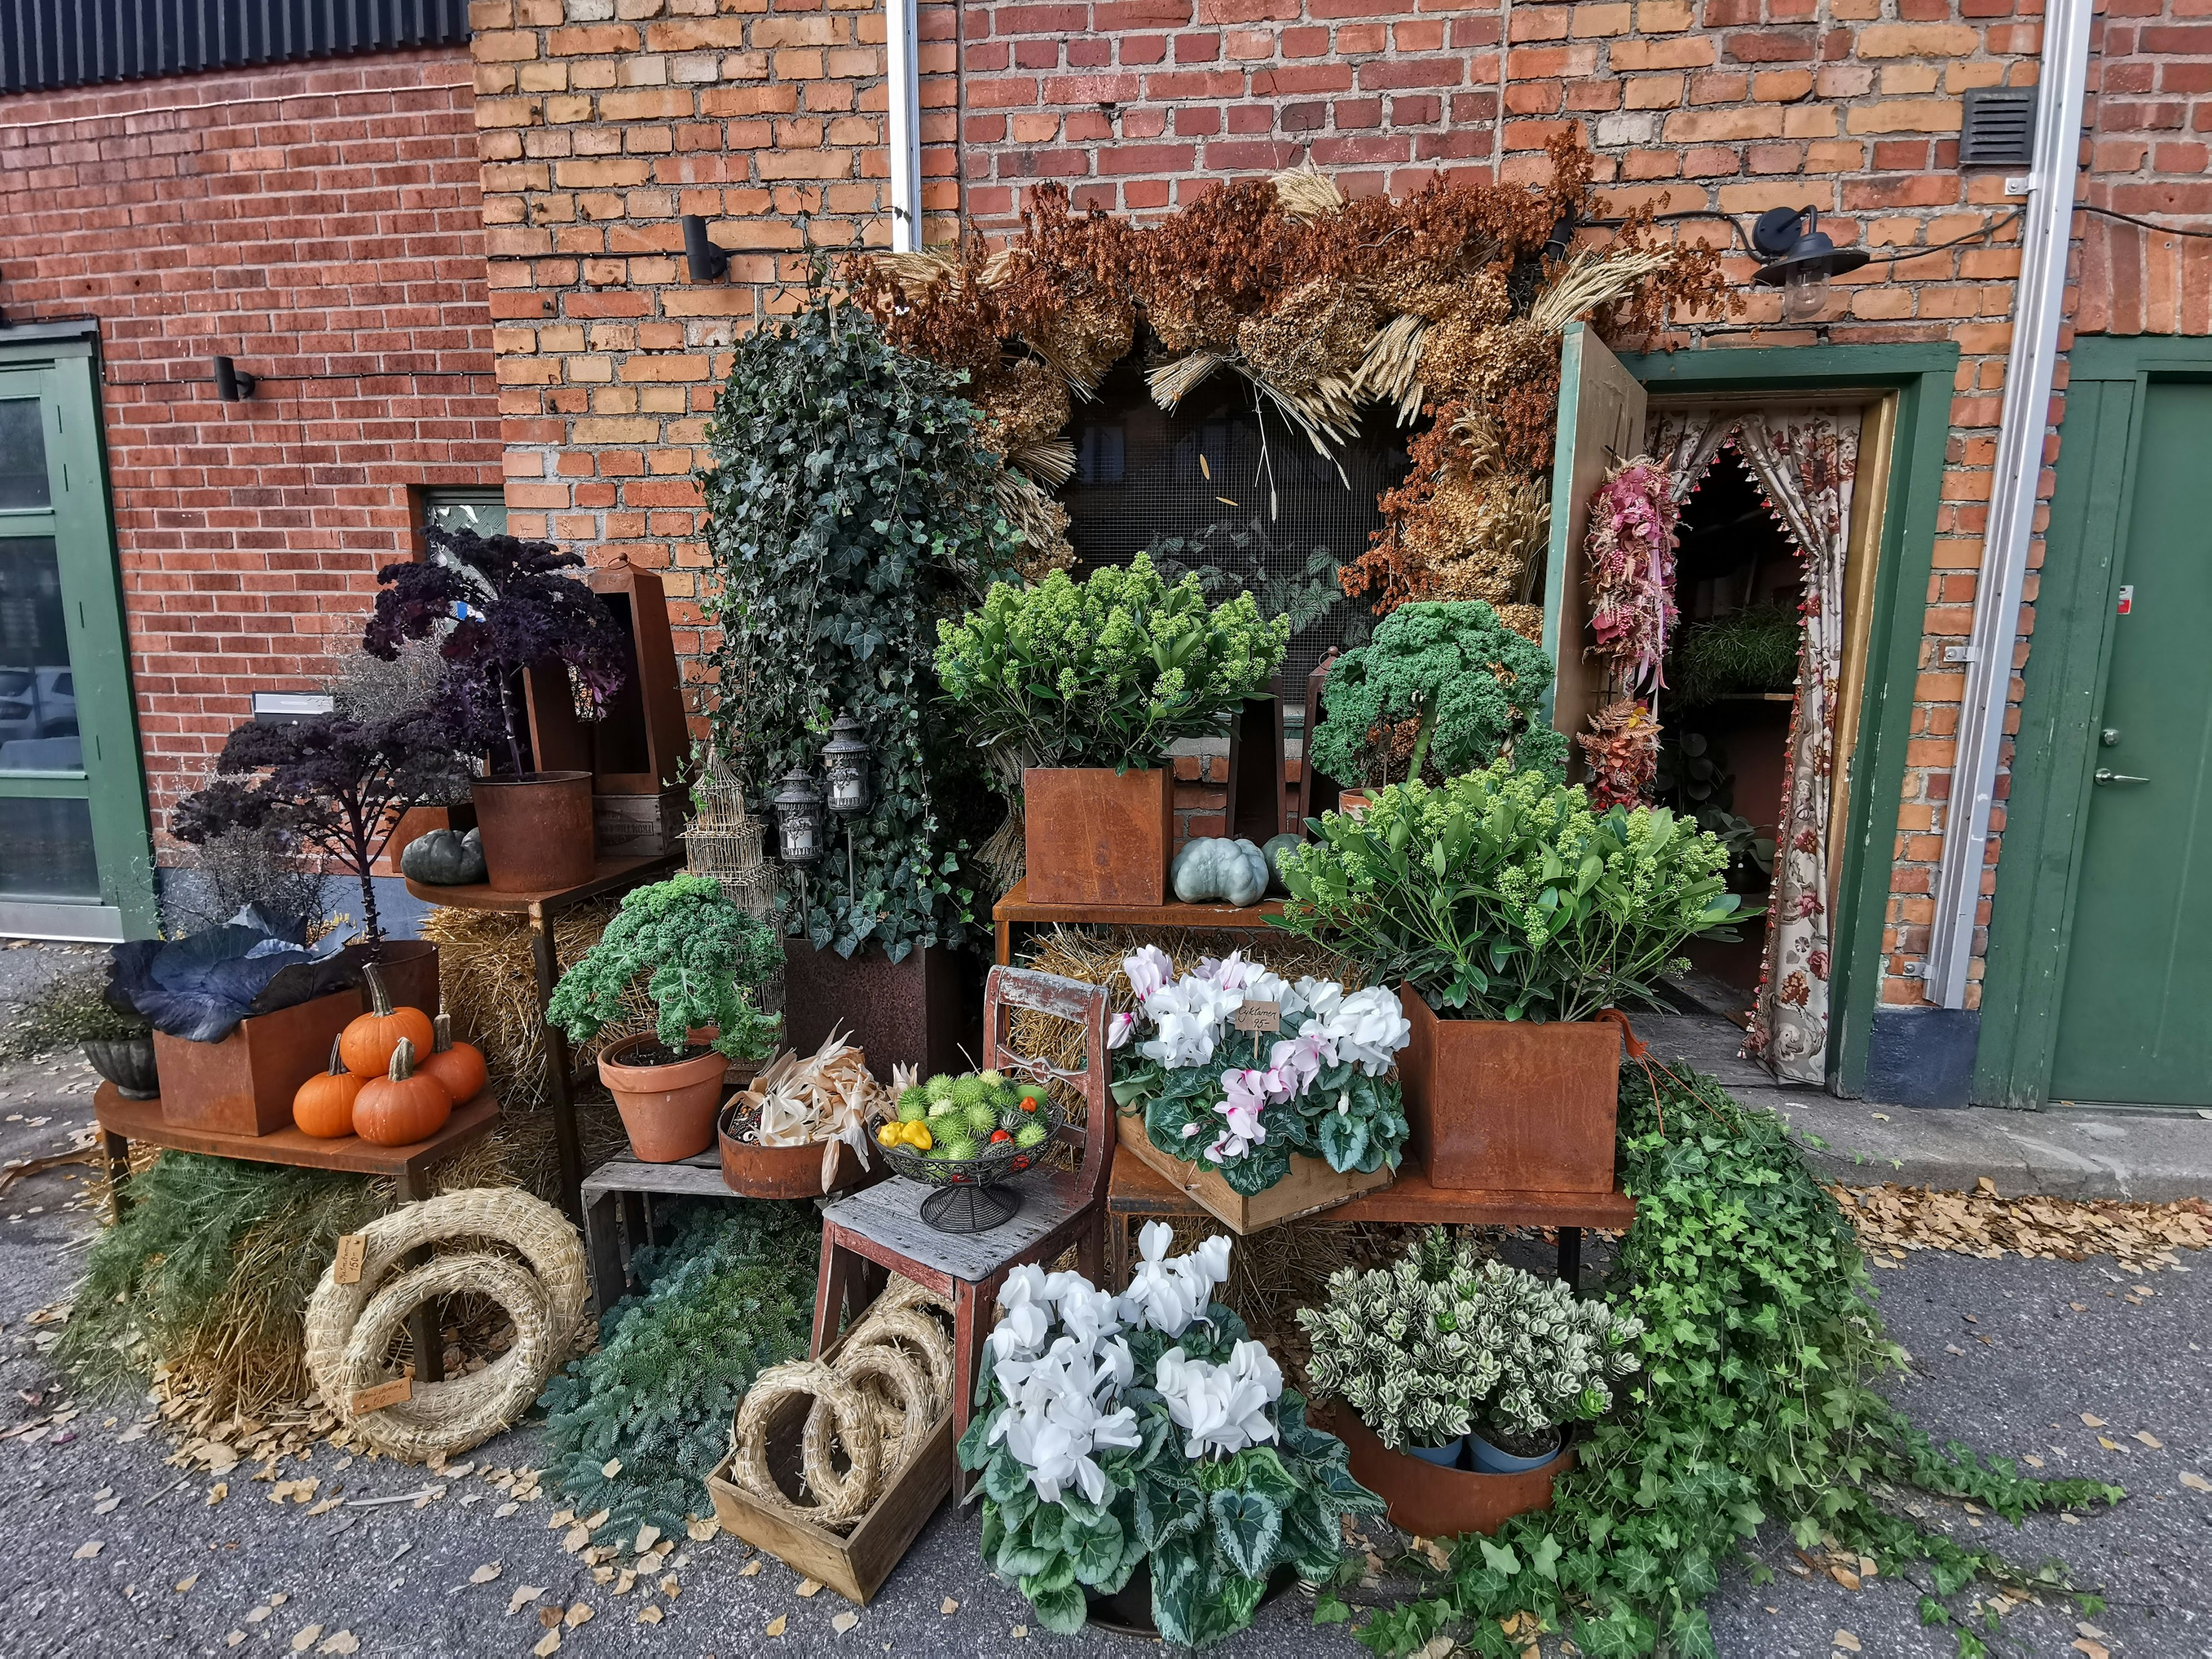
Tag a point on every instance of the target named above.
point(868, 1232)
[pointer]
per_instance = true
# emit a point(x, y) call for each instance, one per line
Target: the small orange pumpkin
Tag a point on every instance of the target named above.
point(324, 1106)
point(459, 1066)
point(403, 1106)
point(368, 1039)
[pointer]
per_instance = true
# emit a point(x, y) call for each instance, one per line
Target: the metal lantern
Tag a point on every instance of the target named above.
point(852, 784)
point(799, 819)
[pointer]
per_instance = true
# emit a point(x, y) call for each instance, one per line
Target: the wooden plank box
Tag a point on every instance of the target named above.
point(244, 1084)
point(1310, 1188)
point(1091, 837)
point(1508, 1105)
point(854, 1565)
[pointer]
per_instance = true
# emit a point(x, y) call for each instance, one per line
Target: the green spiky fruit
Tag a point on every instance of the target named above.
point(938, 1087)
point(959, 1150)
point(1028, 1134)
point(968, 1091)
point(983, 1117)
point(992, 1080)
point(913, 1105)
point(944, 1126)
point(1006, 1100)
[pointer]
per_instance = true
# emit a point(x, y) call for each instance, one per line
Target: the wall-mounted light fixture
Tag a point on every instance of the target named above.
point(706, 262)
point(232, 384)
point(1799, 259)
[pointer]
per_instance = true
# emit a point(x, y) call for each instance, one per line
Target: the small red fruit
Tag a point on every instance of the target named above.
point(999, 1134)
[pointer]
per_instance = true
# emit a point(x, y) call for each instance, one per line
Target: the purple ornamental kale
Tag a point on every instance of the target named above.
point(517, 605)
point(336, 787)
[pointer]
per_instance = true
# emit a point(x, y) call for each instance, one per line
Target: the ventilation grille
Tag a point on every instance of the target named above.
point(2000, 128)
point(49, 43)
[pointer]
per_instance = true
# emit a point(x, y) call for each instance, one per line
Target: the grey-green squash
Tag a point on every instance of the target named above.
point(444, 858)
point(1212, 869)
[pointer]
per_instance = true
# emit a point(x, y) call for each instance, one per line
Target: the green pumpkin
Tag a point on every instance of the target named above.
point(1212, 869)
point(444, 858)
point(1272, 851)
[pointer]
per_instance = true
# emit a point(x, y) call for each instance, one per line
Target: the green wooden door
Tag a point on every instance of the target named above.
point(2133, 1026)
point(74, 860)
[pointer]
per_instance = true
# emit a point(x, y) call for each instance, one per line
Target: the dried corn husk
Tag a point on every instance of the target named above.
point(828, 1098)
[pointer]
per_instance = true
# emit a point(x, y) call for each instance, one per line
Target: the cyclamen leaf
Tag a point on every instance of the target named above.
point(1247, 1527)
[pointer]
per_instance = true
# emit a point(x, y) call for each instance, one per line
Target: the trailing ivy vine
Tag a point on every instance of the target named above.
point(850, 508)
point(1756, 1405)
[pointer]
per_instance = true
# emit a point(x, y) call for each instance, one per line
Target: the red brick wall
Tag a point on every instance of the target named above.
point(314, 219)
point(2150, 122)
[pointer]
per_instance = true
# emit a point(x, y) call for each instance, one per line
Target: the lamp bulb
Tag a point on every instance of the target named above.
point(1804, 295)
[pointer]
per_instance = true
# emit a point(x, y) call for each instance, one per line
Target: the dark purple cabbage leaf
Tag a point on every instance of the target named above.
point(199, 987)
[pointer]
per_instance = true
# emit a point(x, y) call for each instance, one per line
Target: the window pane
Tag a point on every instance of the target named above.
point(45, 851)
point(37, 695)
point(484, 510)
point(22, 456)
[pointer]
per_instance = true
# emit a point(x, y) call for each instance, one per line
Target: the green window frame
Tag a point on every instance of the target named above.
point(59, 366)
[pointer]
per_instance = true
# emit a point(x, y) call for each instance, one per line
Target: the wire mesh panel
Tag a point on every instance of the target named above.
point(1238, 497)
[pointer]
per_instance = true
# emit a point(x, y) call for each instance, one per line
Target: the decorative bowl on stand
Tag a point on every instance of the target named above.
point(972, 1197)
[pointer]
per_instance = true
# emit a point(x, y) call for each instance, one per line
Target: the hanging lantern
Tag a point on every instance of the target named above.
point(799, 819)
point(851, 787)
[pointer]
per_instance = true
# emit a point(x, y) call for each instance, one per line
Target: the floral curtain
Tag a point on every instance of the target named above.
point(1805, 460)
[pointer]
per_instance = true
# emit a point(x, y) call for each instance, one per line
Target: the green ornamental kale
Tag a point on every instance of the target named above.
point(731, 1294)
point(707, 961)
point(1108, 672)
point(1476, 687)
point(1501, 895)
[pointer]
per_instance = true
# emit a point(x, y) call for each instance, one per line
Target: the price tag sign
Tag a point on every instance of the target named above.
point(1258, 1017)
point(346, 1269)
point(397, 1392)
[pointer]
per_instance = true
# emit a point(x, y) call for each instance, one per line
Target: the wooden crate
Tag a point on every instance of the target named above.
point(1310, 1187)
point(855, 1565)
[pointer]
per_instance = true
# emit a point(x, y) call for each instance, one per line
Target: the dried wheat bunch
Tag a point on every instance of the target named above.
point(1022, 403)
point(1390, 373)
point(1592, 279)
point(1306, 193)
point(1039, 520)
point(1172, 382)
point(1480, 443)
point(1505, 521)
point(1051, 461)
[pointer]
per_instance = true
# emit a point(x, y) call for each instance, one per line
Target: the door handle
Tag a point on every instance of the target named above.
point(2106, 775)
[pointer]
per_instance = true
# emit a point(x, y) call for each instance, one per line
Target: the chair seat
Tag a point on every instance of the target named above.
point(890, 1214)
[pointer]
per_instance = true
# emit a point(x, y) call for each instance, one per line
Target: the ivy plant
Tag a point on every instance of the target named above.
point(849, 509)
point(1475, 687)
point(1756, 1404)
point(703, 961)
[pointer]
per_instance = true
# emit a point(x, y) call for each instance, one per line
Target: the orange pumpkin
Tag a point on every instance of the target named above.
point(323, 1105)
point(367, 1043)
point(403, 1106)
point(459, 1066)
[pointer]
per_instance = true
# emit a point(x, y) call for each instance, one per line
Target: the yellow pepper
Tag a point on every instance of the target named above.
point(918, 1137)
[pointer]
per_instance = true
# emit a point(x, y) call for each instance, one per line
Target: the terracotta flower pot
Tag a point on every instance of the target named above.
point(1508, 1105)
point(536, 831)
point(1430, 1502)
point(1354, 803)
point(668, 1110)
point(1090, 836)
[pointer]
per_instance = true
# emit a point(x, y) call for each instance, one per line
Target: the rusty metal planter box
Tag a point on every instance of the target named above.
point(1508, 1105)
point(1091, 837)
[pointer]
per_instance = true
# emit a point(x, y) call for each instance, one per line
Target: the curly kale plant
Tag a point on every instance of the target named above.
point(1502, 896)
point(518, 604)
point(1756, 1404)
point(636, 1426)
point(849, 510)
point(1475, 686)
point(702, 959)
point(334, 788)
point(1108, 672)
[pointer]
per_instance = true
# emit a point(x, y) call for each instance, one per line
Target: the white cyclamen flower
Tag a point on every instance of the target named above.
point(1119, 1030)
point(1148, 970)
point(1221, 1409)
point(1368, 1030)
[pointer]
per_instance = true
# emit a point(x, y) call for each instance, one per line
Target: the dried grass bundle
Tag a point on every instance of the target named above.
point(486, 977)
point(1319, 333)
point(1051, 462)
point(1306, 193)
point(1505, 522)
point(1022, 403)
point(1429, 290)
point(919, 275)
point(1593, 279)
point(1391, 371)
point(1453, 352)
point(1172, 382)
point(1041, 521)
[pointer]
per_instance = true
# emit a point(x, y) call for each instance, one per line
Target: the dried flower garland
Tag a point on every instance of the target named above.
point(1630, 548)
point(1622, 750)
point(1450, 303)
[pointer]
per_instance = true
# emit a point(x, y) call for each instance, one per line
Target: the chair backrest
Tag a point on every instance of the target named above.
point(1010, 989)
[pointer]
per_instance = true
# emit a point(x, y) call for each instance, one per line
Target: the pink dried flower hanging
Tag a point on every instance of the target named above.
point(1630, 546)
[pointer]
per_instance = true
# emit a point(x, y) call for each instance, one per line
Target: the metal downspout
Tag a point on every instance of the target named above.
point(903, 94)
point(2029, 369)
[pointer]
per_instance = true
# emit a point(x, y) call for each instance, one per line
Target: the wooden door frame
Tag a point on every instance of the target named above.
point(2047, 806)
point(114, 783)
point(1922, 375)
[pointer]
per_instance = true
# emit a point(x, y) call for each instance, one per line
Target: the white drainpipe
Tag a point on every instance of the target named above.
point(905, 93)
point(2046, 235)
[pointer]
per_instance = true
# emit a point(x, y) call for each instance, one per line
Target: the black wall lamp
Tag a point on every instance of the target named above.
point(232, 385)
point(706, 262)
point(1799, 258)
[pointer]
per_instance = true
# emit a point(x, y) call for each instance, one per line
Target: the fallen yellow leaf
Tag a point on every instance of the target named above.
point(950, 1608)
point(1844, 1577)
point(2107, 1444)
point(2194, 1482)
point(580, 1614)
point(612, 1467)
point(305, 1637)
point(484, 1574)
point(547, 1645)
point(1847, 1642)
point(217, 1492)
point(648, 1615)
point(187, 1582)
point(809, 1586)
point(87, 1550)
point(775, 1625)
point(2150, 1440)
point(2091, 1420)
point(844, 1621)
point(344, 1641)
point(523, 1596)
point(2093, 1650)
point(750, 1570)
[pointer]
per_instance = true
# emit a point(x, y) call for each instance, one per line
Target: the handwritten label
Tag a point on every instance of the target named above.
point(346, 1269)
point(397, 1392)
point(1259, 1016)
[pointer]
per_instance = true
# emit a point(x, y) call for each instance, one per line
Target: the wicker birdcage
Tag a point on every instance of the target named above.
point(723, 839)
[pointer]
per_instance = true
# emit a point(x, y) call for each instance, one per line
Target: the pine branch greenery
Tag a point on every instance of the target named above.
point(732, 1294)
